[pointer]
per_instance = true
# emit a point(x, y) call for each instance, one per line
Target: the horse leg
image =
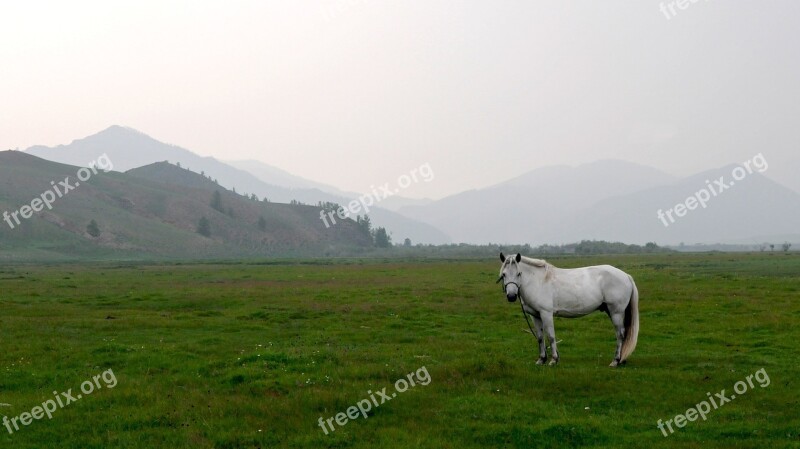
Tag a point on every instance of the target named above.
point(549, 327)
point(539, 328)
point(618, 319)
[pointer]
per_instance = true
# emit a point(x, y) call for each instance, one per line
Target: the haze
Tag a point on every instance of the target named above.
point(355, 93)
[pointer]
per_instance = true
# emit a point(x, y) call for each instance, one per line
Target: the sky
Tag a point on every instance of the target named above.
point(356, 93)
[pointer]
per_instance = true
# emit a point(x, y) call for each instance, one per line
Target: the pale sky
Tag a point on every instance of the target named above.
point(355, 93)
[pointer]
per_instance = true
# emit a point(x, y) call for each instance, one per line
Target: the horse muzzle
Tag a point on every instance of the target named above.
point(510, 297)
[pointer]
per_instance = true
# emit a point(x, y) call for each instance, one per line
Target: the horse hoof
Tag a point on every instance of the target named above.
point(614, 364)
point(541, 361)
point(553, 362)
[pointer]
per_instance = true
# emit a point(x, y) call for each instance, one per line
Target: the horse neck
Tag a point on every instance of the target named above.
point(534, 275)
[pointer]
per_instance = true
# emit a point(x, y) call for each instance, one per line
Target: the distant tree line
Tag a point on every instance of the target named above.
point(585, 247)
point(785, 246)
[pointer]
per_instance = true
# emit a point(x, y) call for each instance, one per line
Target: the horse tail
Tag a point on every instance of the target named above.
point(631, 323)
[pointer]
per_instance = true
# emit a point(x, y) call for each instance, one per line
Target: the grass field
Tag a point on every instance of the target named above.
point(248, 355)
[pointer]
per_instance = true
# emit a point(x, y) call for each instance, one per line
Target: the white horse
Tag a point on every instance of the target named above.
point(546, 292)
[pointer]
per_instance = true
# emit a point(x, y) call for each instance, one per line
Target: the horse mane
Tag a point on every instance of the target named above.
point(539, 263)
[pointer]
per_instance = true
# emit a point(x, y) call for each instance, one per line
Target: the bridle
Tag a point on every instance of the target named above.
point(506, 284)
point(519, 293)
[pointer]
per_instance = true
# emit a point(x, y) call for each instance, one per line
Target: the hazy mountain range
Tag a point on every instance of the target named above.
point(285, 179)
point(617, 201)
point(609, 199)
point(128, 148)
point(155, 210)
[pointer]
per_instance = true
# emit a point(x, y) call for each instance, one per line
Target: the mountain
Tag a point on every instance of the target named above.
point(128, 148)
point(138, 215)
point(616, 201)
point(754, 210)
point(527, 208)
point(397, 203)
point(275, 176)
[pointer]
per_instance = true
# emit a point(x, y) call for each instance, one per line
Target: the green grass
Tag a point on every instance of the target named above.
point(247, 355)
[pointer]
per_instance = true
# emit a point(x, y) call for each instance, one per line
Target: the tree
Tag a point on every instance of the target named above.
point(382, 239)
point(328, 206)
point(407, 242)
point(262, 224)
point(365, 224)
point(786, 246)
point(92, 229)
point(216, 201)
point(772, 247)
point(204, 227)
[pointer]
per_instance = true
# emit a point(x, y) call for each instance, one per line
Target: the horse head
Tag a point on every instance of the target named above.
point(510, 275)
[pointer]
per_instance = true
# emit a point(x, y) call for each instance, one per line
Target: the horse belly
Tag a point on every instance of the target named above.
point(575, 313)
point(577, 307)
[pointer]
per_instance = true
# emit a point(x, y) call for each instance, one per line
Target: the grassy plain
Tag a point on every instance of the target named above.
point(249, 355)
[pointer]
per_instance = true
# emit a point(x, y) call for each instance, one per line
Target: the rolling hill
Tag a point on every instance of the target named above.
point(153, 211)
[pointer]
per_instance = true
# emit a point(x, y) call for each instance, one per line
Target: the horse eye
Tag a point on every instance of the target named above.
point(519, 274)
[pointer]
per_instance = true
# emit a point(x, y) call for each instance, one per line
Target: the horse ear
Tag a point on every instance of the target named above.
point(519, 257)
point(502, 257)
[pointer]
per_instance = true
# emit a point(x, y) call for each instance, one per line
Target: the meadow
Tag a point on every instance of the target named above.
point(252, 354)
